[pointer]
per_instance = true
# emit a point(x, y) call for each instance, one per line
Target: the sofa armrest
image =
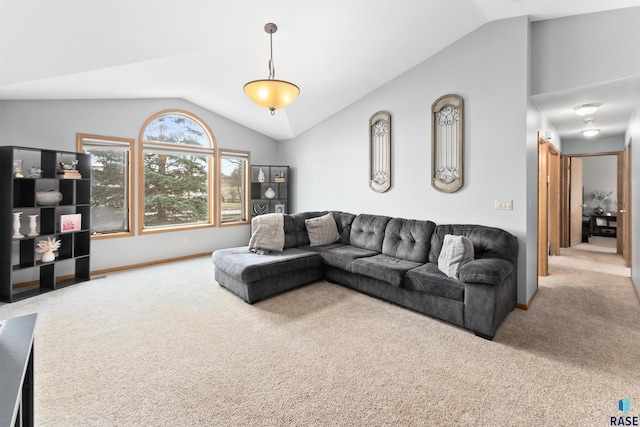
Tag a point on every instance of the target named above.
point(489, 294)
point(490, 271)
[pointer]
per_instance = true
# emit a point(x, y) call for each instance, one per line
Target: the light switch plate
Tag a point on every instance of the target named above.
point(504, 204)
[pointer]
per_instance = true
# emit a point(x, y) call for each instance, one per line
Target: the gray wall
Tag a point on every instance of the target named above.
point(488, 68)
point(54, 124)
point(584, 49)
point(609, 144)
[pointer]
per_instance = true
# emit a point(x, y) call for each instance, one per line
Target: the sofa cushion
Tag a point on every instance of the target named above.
point(295, 230)
point(343, 221)
point(456, 252)
point(244, 265)
point(367, 232)
point(429, 279)
point(408, 239)
point(384, 267)
point(339, 255)
point(322, 230)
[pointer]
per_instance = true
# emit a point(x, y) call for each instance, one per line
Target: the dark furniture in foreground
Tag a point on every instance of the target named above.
point(394, 259)
point(16, 371)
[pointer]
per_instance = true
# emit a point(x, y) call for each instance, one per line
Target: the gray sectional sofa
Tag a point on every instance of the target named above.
point(394, 259)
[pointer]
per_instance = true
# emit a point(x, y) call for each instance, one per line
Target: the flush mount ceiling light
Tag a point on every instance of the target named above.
point(271, 93)
point(586, 109)
point(590, 132)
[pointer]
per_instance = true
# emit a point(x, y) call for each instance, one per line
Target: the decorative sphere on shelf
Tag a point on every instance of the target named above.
point(48, 198)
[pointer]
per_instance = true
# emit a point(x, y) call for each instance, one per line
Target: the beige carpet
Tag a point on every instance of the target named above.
point(166, 346)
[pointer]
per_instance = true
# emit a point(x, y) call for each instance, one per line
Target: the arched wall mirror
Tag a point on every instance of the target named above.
point(446, 143)
point(380, 151)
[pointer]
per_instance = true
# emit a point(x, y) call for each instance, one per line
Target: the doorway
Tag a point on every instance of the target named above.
point(562, 192)
point(599, 178)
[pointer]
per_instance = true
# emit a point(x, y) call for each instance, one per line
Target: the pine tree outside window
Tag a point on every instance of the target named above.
point(111, 184)
point(176, 161)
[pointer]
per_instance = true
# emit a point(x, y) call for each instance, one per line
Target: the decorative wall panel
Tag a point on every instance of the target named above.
point(446, 143)
point(380, 151)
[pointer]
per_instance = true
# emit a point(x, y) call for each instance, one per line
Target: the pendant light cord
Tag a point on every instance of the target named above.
point(272, 68)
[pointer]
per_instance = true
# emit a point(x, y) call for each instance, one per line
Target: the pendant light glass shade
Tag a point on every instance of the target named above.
point(271, 93)
point(586, 109)
point(590, 132)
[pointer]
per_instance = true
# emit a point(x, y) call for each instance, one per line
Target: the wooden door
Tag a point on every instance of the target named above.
point(543, 206)
point(576, 201)
point(548, 203)
point(565, 202)
point(554, 200)
point(624, 205)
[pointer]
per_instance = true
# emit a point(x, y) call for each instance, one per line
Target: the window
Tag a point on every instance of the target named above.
point(233, 182)
point(176, 172)
point(111, 186)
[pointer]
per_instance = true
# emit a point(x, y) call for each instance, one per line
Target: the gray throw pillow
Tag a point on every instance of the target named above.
point(322, 230)
point(456, 252)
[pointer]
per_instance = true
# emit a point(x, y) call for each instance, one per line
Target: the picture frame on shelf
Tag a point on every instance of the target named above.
point(71, 222)
point(279, 208)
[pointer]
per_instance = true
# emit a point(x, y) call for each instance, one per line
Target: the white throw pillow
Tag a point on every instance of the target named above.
point(322, 230)
point(456, 252)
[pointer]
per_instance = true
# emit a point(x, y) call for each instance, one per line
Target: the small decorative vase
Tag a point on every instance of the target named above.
point(598, 210)
point(48, 198)
point(48, 257)
point(260, 176)
point(269, 194)
point(33, 225)
point(17, 169)
point(16, 225)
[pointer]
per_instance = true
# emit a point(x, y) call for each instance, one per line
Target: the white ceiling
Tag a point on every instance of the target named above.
point(204, 51)
point(617, 101)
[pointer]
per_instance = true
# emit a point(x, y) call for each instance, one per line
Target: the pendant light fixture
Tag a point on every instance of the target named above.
point(271, 93)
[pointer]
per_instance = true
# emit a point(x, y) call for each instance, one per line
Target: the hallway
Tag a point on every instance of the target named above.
point(599, 255)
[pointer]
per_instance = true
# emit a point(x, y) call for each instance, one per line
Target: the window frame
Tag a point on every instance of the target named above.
point(210, 151)
point(246, 155)
point(106, 141)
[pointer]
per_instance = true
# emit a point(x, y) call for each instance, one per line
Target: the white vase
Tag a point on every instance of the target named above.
point(16, 225)
point(33, 225)
point(260, 176)
point(269, 194)
point(48, 257)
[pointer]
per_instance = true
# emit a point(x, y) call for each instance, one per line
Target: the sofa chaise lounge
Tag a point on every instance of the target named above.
point(398, 260)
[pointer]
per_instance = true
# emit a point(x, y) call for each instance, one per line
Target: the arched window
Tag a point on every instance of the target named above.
point(176, 170)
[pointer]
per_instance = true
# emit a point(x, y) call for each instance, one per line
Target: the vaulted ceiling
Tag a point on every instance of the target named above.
point(204, 51)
